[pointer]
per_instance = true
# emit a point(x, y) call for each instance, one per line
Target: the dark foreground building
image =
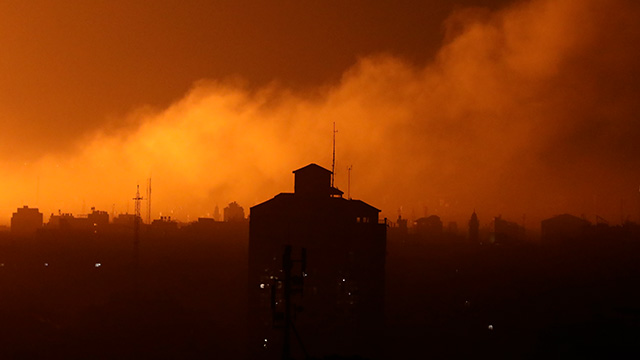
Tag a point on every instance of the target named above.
point(336, 287)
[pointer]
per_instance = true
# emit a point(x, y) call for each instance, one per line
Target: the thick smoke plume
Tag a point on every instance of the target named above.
point(531, 110)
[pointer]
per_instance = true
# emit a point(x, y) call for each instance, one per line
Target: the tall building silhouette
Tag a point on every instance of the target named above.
point(339, 307)
point(474, 229)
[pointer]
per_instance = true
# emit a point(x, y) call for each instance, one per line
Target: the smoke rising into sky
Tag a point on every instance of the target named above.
point(531, 109)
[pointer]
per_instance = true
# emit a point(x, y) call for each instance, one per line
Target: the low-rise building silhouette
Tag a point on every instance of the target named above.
point(507, 232)
point(562, 229)
point(98, 218)
point(126, 220)
point(63, 221)
point(474, 229)
point(26, 221)
point(429, 227)
point(163, 227)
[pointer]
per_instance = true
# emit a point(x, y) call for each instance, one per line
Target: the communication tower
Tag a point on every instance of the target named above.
point(136, 231)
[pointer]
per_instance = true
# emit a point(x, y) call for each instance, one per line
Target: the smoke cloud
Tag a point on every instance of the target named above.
point(531, 110)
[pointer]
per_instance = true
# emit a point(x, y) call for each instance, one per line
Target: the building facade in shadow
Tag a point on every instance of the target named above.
point(336, 303)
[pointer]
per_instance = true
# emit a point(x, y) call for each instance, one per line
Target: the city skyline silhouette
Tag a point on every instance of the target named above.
point(343, 282)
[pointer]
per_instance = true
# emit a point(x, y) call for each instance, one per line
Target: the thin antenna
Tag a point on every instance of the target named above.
point(333, 163)
point(349, 182)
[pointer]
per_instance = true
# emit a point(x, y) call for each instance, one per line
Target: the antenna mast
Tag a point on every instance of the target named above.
point(333, 163)
point(137, 201)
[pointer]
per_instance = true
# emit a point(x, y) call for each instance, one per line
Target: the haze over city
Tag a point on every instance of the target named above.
point(507, 107)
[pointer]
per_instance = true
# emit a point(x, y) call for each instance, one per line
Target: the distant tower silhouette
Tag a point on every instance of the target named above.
point(136, 232)
point(474, 228)
point(216, 213)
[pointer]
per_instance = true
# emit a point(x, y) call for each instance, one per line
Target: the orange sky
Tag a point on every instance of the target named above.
point(521, 108)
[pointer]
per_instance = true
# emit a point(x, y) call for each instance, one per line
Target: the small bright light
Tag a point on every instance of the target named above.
point(46, 264)
point(490, 327)
point(2, 265)
point(265, 340)
point(343, 279)
point(98, 265)
point(261, 286)
point(349, 294)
